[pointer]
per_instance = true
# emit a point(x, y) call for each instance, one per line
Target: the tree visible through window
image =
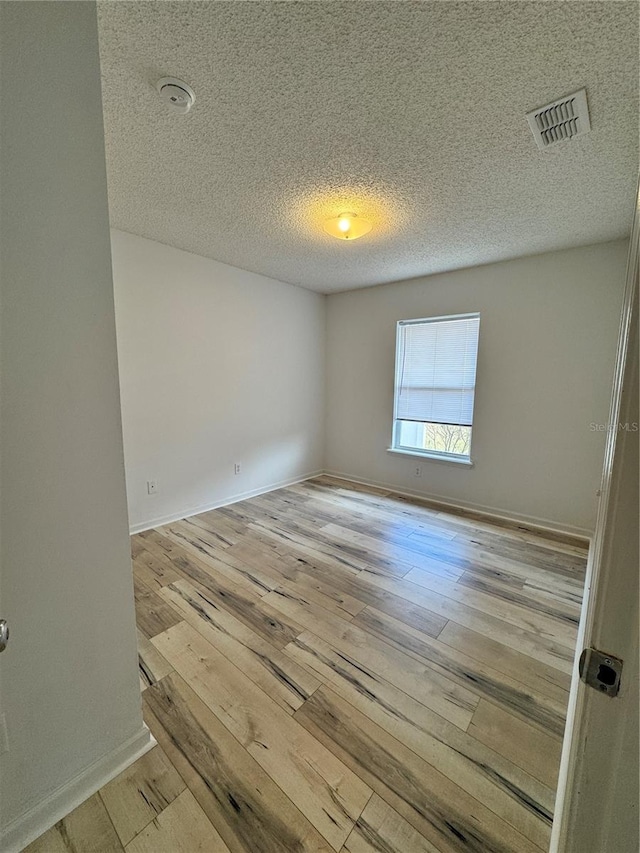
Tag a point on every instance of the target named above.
point(435, 385)
point(448, 438)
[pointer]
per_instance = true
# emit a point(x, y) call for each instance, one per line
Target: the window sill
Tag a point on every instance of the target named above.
point(432, 457)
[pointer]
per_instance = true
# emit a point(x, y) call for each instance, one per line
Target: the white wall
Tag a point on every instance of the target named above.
point(217, 366)
point(548, 333)
point(69, 675)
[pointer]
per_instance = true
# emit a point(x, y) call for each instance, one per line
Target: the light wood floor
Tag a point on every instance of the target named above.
point(334, 668)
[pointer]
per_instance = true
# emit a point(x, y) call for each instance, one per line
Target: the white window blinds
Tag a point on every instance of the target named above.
point(436, 369)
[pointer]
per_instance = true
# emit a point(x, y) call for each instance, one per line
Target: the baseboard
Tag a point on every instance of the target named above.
point(544, 525)
point(41, 817)
point(242, 496)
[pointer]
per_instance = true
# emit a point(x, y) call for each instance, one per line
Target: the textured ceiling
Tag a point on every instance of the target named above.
point(411, 113)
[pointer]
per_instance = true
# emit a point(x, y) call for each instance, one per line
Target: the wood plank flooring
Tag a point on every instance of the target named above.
point(329, 667)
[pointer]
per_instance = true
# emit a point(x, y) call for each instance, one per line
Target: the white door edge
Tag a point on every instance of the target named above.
point(574, 729)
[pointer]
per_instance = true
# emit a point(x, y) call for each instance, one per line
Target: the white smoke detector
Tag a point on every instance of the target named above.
point(560, 120)
point(177, 94)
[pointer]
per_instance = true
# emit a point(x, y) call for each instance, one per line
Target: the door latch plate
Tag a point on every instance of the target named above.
point(601, 671)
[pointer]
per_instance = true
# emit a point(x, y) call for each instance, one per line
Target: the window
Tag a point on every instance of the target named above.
point(435, 386)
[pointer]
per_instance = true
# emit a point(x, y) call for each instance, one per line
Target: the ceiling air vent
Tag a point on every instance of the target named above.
point(563, 119)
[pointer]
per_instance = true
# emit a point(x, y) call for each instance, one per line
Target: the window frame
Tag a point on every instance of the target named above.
point(434, 455)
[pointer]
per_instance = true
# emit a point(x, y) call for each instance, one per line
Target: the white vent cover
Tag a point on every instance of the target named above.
point(563, 119)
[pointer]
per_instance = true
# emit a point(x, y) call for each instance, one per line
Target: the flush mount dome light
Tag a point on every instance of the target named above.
point(347, 226)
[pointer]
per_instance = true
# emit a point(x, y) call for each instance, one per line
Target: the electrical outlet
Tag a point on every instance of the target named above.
point(418, 471)
point(236, 468)
point(152, 487)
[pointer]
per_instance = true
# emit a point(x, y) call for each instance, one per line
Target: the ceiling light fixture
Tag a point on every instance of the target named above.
point(347, 226)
